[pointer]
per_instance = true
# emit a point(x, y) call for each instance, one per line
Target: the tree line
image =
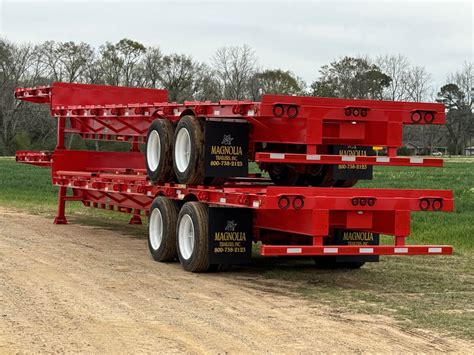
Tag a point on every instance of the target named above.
point(231, 73)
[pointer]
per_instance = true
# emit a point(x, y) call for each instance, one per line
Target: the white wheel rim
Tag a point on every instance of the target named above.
point(182, 149)
point(155, 231)
point(186, 236)
point(153, 150)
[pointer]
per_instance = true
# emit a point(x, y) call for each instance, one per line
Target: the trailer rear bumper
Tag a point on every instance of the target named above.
point(288, 158)
point(359, 250)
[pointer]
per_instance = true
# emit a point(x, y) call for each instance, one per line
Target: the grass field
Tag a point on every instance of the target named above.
point(435, 292)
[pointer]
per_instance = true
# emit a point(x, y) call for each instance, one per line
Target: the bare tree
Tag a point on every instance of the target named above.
point(66, 61)
point(151, 67)
point(417, 84)
point(178, 74)
point(457, 95)
point(19, 66)
point(234, 68)
point(397, 68)
point(120, 62)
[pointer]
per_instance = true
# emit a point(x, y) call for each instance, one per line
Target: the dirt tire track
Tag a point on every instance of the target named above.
point(79, 288)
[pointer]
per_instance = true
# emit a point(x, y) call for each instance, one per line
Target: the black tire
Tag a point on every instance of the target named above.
point(193, 172)
point(195, 258)
point(322, 177)
point(346, 183)
point(167, 210)
point(158, 155)
point(284, 175)
point(329, 262)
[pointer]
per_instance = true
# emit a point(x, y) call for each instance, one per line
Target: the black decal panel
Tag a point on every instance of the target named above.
point(352, 171)
point(226, 151)
point(230, 235)
point(352, 237)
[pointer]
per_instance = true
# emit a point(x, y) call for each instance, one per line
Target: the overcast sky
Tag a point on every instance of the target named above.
point(299, 36)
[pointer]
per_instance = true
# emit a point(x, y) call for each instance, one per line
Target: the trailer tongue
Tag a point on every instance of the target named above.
point(205, 209)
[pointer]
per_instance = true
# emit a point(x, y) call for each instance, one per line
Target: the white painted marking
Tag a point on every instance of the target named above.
point(348, 158)
point(400, 250)
point(366, 250)
point(313, 157)
point(416, 160)
point(435, 250)
point(293, 250)
point(382, 160)
point(223, 200)
point(277, 156)
point(330, 250)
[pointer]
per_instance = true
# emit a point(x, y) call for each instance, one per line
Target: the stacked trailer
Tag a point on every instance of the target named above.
point(193, 181)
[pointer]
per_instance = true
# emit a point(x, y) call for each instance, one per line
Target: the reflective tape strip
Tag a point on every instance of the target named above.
point(256, 204)
point(217, 113)
point(223, 200)
point(277, 156)
point(293, 250)
point(330, 250)
point(348, 158)
point(416, 160)
point(435, 250)
point(366, 250)
point(382, 160)
point(313, 157)
point(400, 250)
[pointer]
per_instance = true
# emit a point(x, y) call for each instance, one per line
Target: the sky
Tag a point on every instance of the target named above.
point(300, 36)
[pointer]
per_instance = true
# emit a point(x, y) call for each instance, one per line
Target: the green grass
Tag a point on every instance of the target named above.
point(434, 292)
point(28, 188)
point(456, 228)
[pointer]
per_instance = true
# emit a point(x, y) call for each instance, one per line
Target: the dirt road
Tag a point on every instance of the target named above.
point(78, 288)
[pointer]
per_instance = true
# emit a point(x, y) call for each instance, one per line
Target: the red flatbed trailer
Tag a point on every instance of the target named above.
point(288, 220)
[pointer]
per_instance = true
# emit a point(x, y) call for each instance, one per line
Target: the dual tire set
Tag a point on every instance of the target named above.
point(176, 154)
point(181, 234)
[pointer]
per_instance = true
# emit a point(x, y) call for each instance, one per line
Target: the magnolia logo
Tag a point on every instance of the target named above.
point(230, 227)
point(227, 139)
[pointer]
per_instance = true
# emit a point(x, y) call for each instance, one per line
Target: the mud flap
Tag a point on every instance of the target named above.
point(230, 235)
point(350, 171)
point(226, 150)
point(352, 237)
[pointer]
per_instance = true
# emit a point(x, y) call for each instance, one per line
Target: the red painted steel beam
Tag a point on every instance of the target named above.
point(309, 250)
point(42, 159)
point(289, 158)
